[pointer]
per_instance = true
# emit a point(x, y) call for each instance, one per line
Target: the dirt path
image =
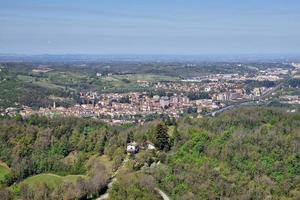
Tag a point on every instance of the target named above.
point(162, 194)
point(113, 179)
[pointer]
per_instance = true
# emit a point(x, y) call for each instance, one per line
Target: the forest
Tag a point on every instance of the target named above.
point(248, 153)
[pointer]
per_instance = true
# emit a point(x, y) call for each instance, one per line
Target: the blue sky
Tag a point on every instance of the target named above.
point(187, 27)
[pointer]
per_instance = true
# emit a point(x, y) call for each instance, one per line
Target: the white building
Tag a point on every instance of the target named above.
point(164, 102)
point(132, 147)
point(156, 98)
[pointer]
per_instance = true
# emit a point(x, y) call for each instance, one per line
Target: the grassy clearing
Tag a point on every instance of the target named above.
point(51, 180)
point(43, 82)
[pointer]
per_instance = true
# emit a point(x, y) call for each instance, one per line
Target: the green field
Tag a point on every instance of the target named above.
point(15, 86)
point(39, 82)
point(56, 80)
point(66, 77)
point(141, 77)
point(51, 180)
point(129, 81)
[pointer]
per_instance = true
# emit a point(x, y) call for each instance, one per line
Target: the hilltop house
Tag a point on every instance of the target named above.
point(132, 147)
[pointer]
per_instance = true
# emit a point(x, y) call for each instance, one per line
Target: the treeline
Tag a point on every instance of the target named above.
point(295, 83)
point(266, 83)
point(198, 95)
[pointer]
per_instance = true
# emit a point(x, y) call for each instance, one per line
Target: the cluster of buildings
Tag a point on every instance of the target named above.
point(221, 89)
point(42, 69)
point(290, 99)
point(126, 107)
point(269, 74)
point(218, 91)
point(136, 106)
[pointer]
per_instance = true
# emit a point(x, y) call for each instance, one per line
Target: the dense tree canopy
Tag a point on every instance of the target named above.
point(249, 153)
point(244, 154)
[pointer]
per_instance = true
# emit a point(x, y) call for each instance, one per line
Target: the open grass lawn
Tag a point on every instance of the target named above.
point(51, 180)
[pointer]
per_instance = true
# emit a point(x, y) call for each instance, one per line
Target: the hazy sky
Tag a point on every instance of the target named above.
point(150, 26)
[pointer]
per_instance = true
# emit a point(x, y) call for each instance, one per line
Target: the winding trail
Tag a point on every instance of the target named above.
point(162, 194)
point(113, 179)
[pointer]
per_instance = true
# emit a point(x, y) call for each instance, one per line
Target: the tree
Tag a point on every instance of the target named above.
point(74, 138)
point(134, 186)
point(18, 117)
point(130, 137)
point(99, 179)
point(199, 95)
point(125, 99)
point(176, 136)
point(103, 142)
point(162, 138)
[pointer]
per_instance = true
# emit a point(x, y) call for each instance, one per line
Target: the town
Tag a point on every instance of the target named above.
point(197, 96)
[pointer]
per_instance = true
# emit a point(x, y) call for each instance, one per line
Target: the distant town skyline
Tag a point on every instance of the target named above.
point(179, 27)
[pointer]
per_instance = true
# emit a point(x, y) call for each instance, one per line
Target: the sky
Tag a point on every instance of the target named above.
point(178, 27)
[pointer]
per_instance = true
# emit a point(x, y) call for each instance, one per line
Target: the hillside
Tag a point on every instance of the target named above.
point(243, 154)
point(249, 153)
